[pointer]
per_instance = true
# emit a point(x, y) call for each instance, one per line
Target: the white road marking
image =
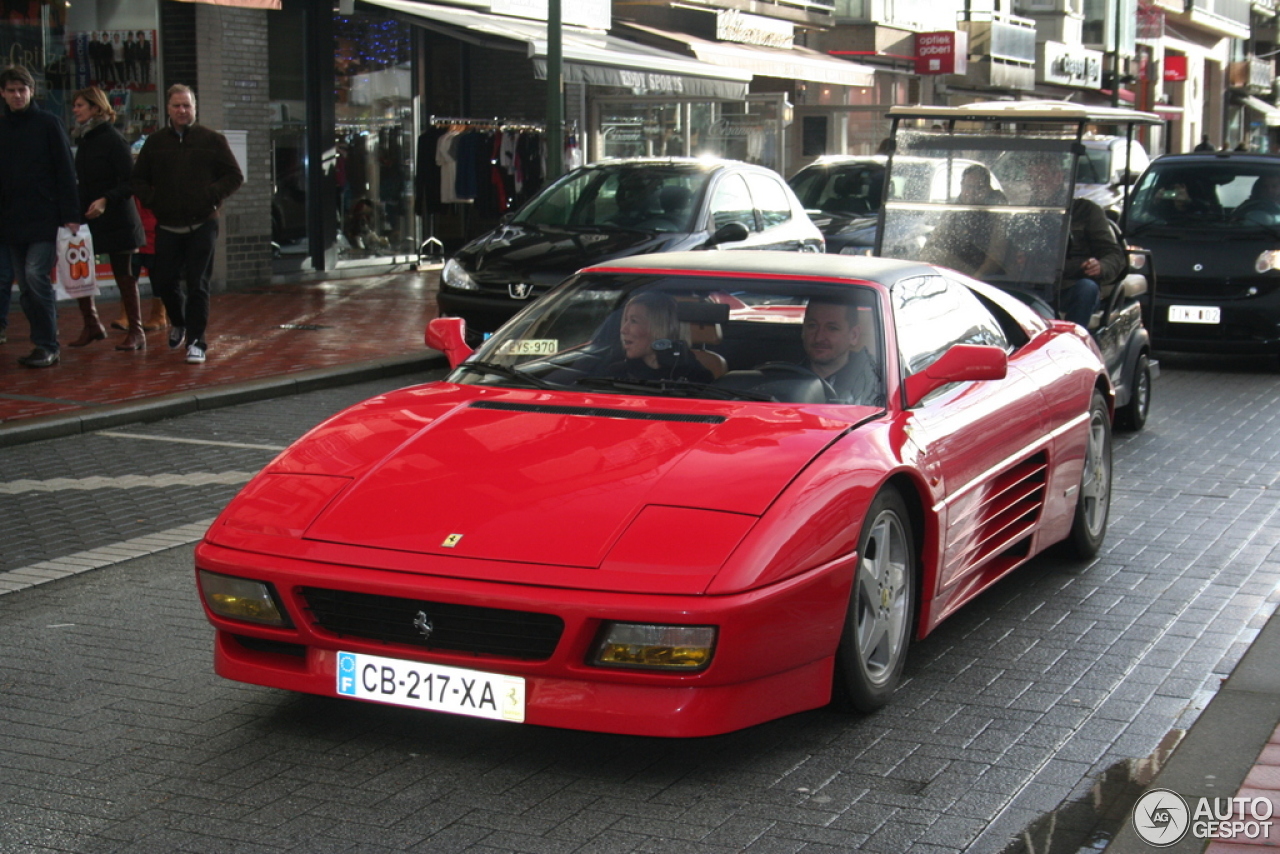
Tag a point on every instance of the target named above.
point(128, 481)
point(116, 435)
point(74, 564)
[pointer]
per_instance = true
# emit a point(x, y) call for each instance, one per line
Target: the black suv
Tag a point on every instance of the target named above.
point(1212, 224)
point(616, 208)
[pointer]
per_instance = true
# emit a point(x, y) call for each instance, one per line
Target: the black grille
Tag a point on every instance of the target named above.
point(456, 628)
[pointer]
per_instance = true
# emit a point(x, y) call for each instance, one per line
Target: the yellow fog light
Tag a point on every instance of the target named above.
point(655, 647)
point(240, 599)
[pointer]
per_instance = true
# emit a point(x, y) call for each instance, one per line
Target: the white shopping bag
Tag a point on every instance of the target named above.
point(75, 272)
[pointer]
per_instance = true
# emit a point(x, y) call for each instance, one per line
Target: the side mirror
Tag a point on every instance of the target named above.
point(730, 232)
point(448, 335)
point(962, 363)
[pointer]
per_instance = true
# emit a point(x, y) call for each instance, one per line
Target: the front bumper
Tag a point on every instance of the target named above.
point(774, 654)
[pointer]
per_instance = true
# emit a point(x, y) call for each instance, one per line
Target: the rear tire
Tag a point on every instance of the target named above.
point(1093, 502)
point(877, 630)
point(1133, 415)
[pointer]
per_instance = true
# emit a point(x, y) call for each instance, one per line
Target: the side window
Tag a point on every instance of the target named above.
point(731, 202)
point(771, 200)
point(933, 314)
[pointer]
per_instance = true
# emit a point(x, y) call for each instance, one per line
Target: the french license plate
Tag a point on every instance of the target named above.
point(1195, 314)
point(430, 686)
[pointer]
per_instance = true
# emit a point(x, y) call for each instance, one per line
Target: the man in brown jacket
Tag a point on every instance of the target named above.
point(183, 174)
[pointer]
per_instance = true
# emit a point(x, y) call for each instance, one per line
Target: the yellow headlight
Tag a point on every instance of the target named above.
point(648, 646)
point(240, 599)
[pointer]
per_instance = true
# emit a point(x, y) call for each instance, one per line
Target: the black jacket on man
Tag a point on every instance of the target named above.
point(184, 178)
point(37, 177)
point(103, 168)
point(1092, 237)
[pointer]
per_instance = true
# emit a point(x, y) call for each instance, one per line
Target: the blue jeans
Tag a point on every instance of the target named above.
point(6, 285)
point(1080, 301)
point(33, 264)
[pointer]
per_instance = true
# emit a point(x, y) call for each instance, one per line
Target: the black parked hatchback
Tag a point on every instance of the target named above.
point(1212, 223)
point(616, 208)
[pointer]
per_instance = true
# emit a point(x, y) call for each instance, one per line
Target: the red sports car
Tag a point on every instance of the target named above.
point(679, 495)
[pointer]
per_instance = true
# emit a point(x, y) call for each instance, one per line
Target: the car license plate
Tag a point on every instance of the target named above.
point(1195, 314)
point(430, 686)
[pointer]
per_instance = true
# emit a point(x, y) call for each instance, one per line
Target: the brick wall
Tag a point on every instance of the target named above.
point(231, 60)
point(221, 52)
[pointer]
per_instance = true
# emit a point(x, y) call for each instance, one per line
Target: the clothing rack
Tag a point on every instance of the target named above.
point(432, 248)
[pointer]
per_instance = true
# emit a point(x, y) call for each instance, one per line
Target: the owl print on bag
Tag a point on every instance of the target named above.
point(79, 258)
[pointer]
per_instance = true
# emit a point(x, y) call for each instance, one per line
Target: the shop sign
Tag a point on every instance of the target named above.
point(740, 27)
point(944, 52)
point(1175, 67)
point(1071, 65)
point(734, 127)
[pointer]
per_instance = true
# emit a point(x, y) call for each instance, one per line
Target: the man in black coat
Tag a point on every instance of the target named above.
point(37, 195)
point(183, 175)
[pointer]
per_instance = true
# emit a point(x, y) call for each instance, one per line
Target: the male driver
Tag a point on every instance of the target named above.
point(37, 195)
point(831, 336)
point(1094, 256)
point(183, 175)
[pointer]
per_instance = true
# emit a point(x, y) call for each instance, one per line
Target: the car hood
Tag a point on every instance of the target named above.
point(546, 255)
point(509, 475)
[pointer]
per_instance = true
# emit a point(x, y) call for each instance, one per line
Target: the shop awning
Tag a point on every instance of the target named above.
point(243, 4)
point(590, 56)
point(1270, 112)
point(796, 63)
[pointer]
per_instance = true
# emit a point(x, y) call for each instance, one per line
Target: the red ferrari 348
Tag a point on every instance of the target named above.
point(679, 495)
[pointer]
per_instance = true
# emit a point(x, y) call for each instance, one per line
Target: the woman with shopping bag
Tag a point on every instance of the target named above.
point(103, 168)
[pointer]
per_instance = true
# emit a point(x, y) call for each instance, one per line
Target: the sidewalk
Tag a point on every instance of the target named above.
point(274, 340)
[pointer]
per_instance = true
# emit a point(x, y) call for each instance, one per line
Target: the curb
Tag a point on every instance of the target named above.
point(182, 403)
point(1224, 743)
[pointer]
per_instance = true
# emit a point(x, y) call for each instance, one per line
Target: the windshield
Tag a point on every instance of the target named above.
point(850, 189)
point(639, 197)
point(989, 206)
point(1222, 196)
point(692, 336)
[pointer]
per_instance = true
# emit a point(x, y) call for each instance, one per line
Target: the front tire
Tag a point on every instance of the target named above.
point(1133, 415)
point(877, 630)
point(1093, 503)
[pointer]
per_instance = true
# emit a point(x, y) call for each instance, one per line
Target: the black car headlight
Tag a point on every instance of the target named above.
point(454, 276)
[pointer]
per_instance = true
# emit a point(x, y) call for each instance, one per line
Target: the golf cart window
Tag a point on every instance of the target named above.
point(990, 208)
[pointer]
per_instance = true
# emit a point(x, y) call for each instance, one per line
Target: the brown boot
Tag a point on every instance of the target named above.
point(121, 322)
point(159, 317)
point(136, 338)
point(93, 330)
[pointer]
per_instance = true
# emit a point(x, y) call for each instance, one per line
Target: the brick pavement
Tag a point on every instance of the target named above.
point(263, 334)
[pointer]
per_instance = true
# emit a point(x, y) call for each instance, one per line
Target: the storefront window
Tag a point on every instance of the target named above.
point(374, 138)
point(289, 156)
point(738, 130)
point(104, 44)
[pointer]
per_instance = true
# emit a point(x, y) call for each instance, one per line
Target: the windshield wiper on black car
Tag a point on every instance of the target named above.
point(644, 385)
point(510, 373)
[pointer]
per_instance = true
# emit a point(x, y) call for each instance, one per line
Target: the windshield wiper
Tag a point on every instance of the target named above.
point(510, 373)
point(644, 385)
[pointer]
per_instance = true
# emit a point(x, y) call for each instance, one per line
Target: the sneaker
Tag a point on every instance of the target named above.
point(39, 358)
point(195, 355)
point(177, 337)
